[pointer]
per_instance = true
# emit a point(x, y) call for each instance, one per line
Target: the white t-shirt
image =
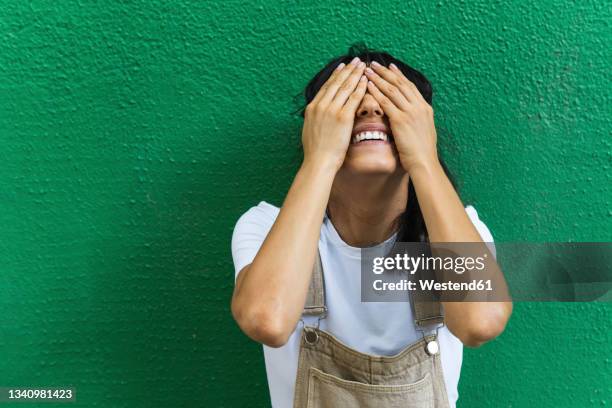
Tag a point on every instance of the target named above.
point(378, 328)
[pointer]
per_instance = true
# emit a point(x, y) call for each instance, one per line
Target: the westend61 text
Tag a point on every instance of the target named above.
point(474, 285)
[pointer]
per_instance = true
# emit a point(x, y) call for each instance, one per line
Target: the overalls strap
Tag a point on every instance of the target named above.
point(427, 309)
point(315, 299)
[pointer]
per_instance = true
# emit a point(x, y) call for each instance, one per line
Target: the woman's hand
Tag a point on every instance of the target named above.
point(329, 117)
point(410, 116)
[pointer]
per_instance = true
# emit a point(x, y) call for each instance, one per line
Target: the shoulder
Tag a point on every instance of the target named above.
point(262, 214)
point(250, 231)
point(481, 227)
point(255, 223)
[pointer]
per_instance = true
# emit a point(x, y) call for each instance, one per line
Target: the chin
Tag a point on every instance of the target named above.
point(371, 163)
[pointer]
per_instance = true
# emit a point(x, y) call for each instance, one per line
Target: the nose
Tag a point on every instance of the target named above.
point(369, 107)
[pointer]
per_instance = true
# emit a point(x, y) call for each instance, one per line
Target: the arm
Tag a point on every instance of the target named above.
point(412, 124)
point(270, 293)
point(474, 323)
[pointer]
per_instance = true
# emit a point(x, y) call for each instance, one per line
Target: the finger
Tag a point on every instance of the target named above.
point(347, 88)
point(340, 79)
point(331, 78)
point(407, 85)
point(390, 90)
point(397, 78)
point(385, 103)
point(354, 100)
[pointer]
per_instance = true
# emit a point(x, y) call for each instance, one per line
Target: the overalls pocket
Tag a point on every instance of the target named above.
point(326, 390)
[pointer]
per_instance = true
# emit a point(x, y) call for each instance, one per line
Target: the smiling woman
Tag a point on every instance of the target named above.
point(371, 177)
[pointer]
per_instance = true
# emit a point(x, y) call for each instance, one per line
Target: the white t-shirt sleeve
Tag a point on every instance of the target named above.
point(482, 229)
point(249, 233)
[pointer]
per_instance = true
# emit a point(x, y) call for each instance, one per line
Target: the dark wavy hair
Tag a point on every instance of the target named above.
point(412, 226)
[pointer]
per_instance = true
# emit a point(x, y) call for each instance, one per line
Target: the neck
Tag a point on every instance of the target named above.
point(365, 209)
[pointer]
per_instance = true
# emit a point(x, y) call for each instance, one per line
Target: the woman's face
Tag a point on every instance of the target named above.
point(371, 150)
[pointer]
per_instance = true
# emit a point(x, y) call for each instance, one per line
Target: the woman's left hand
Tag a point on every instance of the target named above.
point(410, 116)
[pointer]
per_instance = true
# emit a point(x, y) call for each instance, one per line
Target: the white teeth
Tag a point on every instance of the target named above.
point(369, 135)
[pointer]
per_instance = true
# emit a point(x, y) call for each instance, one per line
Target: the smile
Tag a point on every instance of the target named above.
point(370, 137)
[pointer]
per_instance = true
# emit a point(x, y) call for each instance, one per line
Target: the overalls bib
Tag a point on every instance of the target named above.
point(331, 374)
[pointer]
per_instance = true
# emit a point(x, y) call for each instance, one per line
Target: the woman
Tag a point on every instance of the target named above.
point(371, 176)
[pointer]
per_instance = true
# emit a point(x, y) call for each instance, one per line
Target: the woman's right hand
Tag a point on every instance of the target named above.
point(329, 117)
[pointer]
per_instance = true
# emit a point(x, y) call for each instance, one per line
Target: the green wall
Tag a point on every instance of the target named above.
point(134, 134)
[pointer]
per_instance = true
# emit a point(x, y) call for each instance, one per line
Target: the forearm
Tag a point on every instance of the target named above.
point(447, 221)
point(442, 208)
point(270, 293)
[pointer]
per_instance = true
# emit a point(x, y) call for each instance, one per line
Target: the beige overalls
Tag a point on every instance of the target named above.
point(331, 374)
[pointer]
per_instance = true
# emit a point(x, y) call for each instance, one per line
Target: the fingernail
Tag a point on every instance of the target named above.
point(361, 64)
point(392, 65)
point(340, 66)
point(355, 61)
point(363, 78)
point(369, 70)
point(376, 64)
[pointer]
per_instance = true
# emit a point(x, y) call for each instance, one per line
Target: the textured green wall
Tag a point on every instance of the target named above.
point(134, 134)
